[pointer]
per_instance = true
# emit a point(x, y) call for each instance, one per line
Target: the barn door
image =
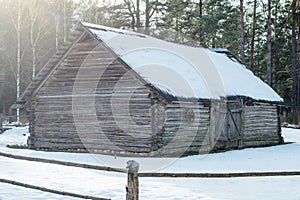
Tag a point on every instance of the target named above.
point(218, 121)
point(226, 122)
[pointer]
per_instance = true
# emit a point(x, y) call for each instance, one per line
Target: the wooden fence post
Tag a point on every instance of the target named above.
point(132, 188)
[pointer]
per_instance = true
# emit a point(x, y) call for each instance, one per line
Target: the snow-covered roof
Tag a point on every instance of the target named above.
point(184, 71)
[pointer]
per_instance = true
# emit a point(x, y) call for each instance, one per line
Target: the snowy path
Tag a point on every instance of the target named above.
point(112, 185)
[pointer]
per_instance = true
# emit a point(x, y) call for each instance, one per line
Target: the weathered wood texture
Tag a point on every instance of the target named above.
point(240, 126)
point(132, 188)
point(220, 175)
point(87, 99)
point(260, 125)
point(91, 102)
point(185, 128)
point(226, 124)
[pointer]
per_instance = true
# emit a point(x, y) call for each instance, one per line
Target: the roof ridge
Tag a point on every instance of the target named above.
point(116, 30)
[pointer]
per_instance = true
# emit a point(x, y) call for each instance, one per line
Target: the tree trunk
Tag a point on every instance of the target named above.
point(57, 23)
point(56, 35)
point(213, 45)
point(138, 14)
point(32, 41)
point(130, 5)
point(147, 23)
point(18, 56)
point(200, 8)
point(3, 100)
point(294, 66)
point(33, 61)
point(2, 81)
point(253, 36)
point(65, 19)
point(200, 20)
point(242, 36)
point(298, 69)
point(97, 12)
point(275, 58)
point(259, 70)
point(269, 38)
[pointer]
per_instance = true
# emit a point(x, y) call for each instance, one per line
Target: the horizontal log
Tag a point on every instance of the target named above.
point(58, 162)
point(267, 125)
point(259, 143)
point(219, 175)
point(143, 142)
point(24, 185)
point(95, 147)
point(98, 141)
point(261, 116)
point(103, 125)
point(261, 139)
point(96, 52)
point(134, 135)
point(260, 129)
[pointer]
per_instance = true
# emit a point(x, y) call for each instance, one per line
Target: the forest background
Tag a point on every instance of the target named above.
point(263, 34)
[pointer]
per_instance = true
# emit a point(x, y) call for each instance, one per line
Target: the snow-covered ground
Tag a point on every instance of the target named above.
point(112, 185)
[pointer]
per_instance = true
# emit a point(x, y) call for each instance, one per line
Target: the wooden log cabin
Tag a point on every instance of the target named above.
point(122, 93)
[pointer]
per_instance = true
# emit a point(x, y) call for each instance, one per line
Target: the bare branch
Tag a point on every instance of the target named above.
point(152, 10)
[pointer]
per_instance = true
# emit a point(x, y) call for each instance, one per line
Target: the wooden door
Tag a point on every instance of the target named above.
point(225, 123)
point(234, 121)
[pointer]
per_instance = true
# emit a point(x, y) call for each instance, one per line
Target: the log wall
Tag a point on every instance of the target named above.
point(185, 128)
point(261, 125)
point(91, 102)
